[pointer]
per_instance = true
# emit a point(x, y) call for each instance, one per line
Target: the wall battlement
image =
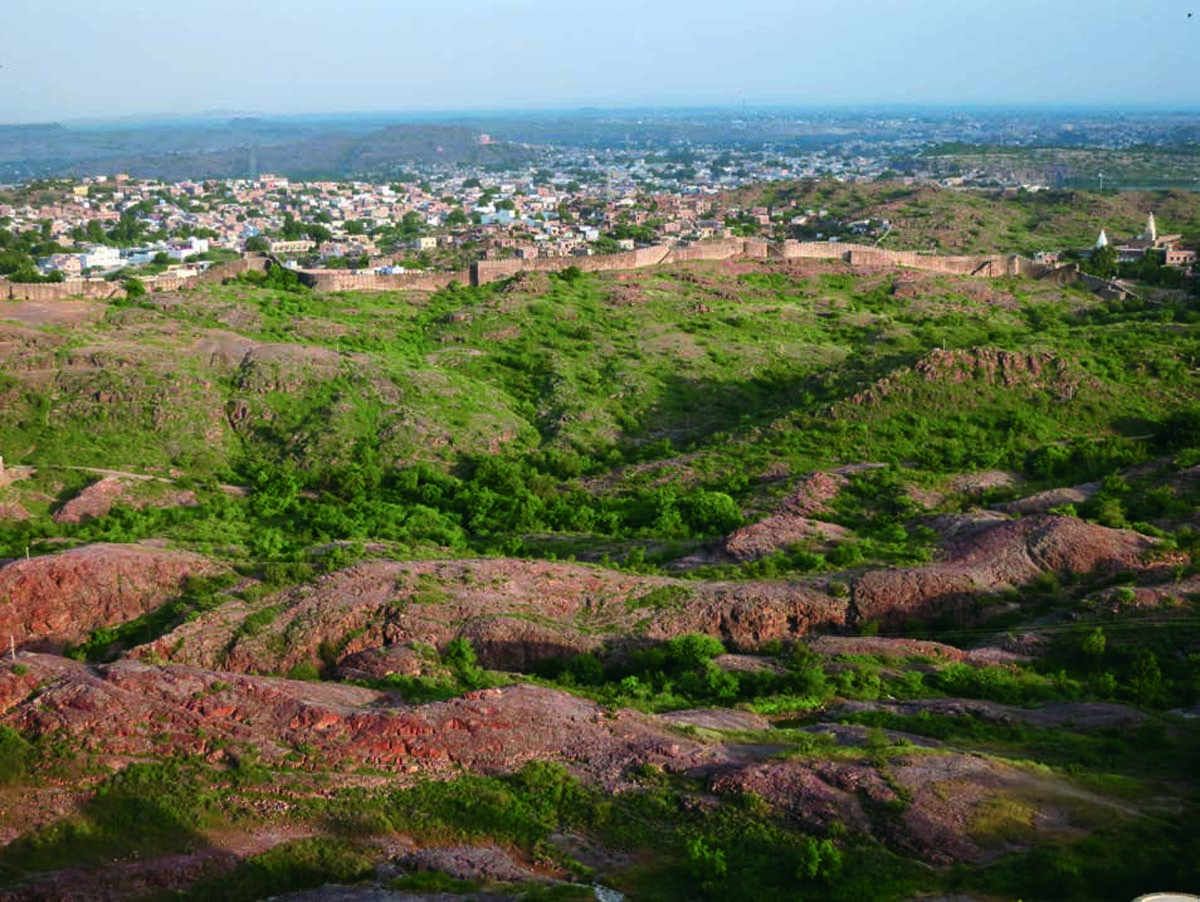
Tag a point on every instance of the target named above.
point(485, 271)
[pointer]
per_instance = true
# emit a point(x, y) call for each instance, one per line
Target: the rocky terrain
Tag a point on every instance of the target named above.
point(474, 595)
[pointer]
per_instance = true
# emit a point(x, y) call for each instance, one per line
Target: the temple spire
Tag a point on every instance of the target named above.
point(1151, 233)
point(1102, 241)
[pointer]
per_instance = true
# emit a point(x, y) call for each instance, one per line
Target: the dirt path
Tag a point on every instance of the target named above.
point(238, 490)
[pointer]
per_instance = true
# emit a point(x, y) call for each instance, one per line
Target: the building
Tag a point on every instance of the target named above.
point(100, 257)
point(299, 246)
point(1135, 249)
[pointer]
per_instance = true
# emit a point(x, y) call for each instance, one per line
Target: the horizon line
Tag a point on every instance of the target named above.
point(862, 106)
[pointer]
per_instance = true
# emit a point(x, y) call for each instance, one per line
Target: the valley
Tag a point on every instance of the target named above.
point(755, 577)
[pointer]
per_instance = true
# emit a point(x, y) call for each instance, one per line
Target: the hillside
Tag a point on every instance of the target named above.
point(955, 221)
point(745, 579)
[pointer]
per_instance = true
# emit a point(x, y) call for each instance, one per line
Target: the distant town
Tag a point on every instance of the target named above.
point(499, 200)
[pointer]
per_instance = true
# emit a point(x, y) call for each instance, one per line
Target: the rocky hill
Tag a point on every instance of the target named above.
point(729, 580)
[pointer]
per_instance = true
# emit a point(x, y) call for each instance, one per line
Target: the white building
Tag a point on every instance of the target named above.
point(100, 257)
point(189, 248)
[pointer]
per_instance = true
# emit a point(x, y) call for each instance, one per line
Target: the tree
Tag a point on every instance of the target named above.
point(411, 225)
point(316, 232)
point(1103, 262)
point(13, 261)
point(1093, 644)
point(128, 230)
point(257, 244)
point(1145, 678)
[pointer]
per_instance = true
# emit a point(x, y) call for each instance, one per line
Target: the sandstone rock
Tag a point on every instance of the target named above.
point(11, 510)
point(993, 558)
point(132, 709)
point(59, 598)
point(516, 611)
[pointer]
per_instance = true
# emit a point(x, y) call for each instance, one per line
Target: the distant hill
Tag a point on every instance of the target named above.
point(234, 148)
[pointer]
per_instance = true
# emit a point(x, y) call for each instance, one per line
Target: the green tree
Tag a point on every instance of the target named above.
point(1145, 678)
point(1103, 262)
point(1093, 645)
point(411, 225)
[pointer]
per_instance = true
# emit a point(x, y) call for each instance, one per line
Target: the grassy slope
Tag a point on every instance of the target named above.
point(983, 222)
point(700, 376)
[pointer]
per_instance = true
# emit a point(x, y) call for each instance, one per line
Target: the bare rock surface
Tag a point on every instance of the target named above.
point(1044, 502)
point(12, 510)
point(130, 709)
point(776, 533)
point(150, 878)
point(59, 312)
point(486, 862)
point(515, 612)
point(979, 482)
point(1076, 715)
point(990, 559)
point(98, 499)
point(60, 598)
point(813, 493)
point(716, 719)
point(885, 647)
point(334, 893)
point(939, 817)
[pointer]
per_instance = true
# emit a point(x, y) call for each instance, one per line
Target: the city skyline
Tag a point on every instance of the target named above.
point(130, 59)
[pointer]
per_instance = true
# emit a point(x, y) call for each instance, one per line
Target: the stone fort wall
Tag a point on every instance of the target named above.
point(343, 280)
point(57, 291)
point(98, 289)
point(486, 271)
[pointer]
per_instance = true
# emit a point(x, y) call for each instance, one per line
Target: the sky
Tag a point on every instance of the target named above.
point(71, 59)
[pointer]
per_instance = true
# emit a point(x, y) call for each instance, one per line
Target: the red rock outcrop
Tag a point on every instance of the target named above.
point(995, 557)
point(135, 709)
point(99, 497)
point(927, 802)
point(516, 612)
point(60, 598)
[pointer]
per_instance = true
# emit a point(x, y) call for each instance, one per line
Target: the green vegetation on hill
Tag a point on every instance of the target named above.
point(649, 409)
point(633, 420)
point(980, 221)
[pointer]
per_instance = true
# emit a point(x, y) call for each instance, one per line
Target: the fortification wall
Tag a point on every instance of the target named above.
point(1030, 269)
point(756, 248)
point(792, 249)
point(654, 255)
point(343, 280)
point(486, 271)
point(101, 290)
point(716, 249)
point(57, 291)
point(1106, 288)
point(169, 283)
point(219, 272)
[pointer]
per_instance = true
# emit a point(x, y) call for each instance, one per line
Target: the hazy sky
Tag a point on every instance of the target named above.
point(67, 58)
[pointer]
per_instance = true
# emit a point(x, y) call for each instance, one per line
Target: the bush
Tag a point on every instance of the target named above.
point(693, 650)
